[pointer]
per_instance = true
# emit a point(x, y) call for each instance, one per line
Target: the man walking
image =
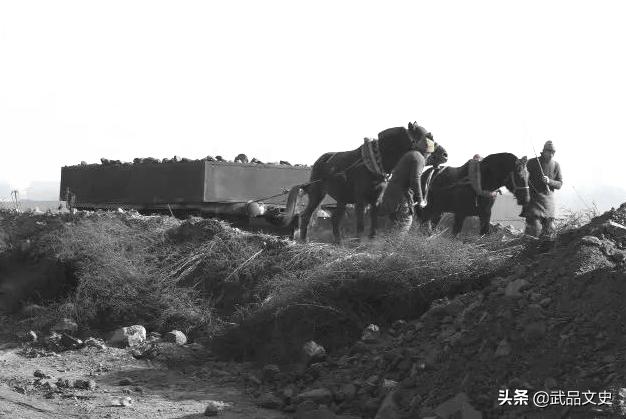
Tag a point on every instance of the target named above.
point(544, 178)
point(404, 187)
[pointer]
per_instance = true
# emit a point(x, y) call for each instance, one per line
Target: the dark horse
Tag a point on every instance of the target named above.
point(451, 191)
point(346, 178)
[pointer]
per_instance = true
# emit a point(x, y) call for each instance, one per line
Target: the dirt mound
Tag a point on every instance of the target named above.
point(556, 322)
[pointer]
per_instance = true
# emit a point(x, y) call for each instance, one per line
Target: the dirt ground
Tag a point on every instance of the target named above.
point(183, 390)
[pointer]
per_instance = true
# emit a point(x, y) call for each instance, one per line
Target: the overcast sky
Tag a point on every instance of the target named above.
point(290, 80)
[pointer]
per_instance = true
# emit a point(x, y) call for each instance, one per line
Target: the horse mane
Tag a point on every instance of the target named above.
point(497, 165)
point(393, 144)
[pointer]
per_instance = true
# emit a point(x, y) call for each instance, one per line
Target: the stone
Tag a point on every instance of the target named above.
point(28, 337)
point(535, 330)
point(305, 406)
point(49, 386)
point(318, 395)
point(371, 334)
point(513, 288)
point(347, 391)
point(270, 372)
point(125, 382)
point(545, 302)
point(457, 407)
point(41, 374)
point(175, 336)
point(84, 384)
point(65, 325)
point(253, 379)
point(52, 342)
point(269, 401)
point(70, 342)
point(503, 349)
point(95, 343)
point(313, 352)
point(389, 408)
point(213, 408)
point(128, 336)
point(122, 402)
point(388, 385)
point(591, 241)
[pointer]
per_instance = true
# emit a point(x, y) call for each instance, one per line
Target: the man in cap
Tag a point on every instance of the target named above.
point(544, 177)
point(404, 188)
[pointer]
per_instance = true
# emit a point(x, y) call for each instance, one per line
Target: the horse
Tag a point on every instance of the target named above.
point(448, 190)
point(350, 177)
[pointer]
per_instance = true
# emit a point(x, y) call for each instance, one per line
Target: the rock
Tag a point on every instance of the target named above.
point(128, 336)
point(591, 240)
point(313, 352)
point(545, 302)
point(65, 383)
point(85, 384)
point(269, 401)
point(253, 379)
point(503, 349)
point(211, 410)
point(535, 330)
point(175, 336)
point(70, 342)
point(41, 374)
point(318, 395)
point(371, 334)
point(270, 372)
point(306, 406)
point(514, 287)
point(28, 337)
point(457, 407)
point(65, 325)
point(49, 386)
point(347, 392)
point(95, 343)
point(389, 408)
point(388, 385)
point(125, 382)
point(288, 393)
point(122, 402)
point(52, 342)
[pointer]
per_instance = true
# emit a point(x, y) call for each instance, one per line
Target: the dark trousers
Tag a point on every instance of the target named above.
point(540, 227)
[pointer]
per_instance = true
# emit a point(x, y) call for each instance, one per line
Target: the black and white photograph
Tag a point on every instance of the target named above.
point(343, 209)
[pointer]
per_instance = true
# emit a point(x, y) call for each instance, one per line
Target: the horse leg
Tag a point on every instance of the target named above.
point(485, 218)
point(373, 220)
point(459, 219)
point(431, 221)
point(359, 208)
point(316, 195)
point(336, 219)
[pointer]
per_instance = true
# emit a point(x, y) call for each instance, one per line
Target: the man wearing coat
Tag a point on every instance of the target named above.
point(544, 178)
point(404, 189)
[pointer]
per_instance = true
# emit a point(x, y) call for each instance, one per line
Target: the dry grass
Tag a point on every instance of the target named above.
point(199, 275)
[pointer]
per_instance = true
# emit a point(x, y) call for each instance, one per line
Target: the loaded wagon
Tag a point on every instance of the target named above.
point(244, 193)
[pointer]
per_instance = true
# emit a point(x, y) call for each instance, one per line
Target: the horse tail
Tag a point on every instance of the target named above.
point(292, 202)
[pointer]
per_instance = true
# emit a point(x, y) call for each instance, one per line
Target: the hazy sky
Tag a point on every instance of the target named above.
point(290, 80)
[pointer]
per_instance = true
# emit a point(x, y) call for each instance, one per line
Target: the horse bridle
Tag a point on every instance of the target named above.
point(515, 187)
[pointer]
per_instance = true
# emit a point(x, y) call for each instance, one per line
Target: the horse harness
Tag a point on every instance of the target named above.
point(467, 181)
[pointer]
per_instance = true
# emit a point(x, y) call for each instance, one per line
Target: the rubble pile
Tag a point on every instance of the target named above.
point(240, 158)
point(556, 323)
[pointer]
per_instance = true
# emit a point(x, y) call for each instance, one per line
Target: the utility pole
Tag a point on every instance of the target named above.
point(15, 196)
